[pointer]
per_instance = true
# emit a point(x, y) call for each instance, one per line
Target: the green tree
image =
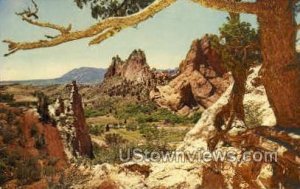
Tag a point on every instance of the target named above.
point(239, 47)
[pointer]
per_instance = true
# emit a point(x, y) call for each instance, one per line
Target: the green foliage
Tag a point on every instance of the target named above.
point(238, 44)
point(114, 139)
point(147, 113)
point(43, 103)
point(95, 112)
point(28, 171)
point(3, 175)
point(149, 132)
point(131, 127)
point(97, 130)
point(49, 170)
point(113, 8)
point(195, 117)
point(253, 116)
point(7, 98)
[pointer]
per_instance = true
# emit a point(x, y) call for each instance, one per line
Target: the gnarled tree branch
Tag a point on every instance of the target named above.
point(233, 6)
point(109, 33)
point(103, 29)
point(63, 30)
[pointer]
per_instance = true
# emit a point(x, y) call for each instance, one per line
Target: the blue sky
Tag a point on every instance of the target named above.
point(166, 38)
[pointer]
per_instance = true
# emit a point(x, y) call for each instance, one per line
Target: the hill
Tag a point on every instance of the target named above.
point(83, 75)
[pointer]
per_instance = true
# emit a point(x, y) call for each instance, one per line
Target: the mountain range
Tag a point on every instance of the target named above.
point(83, 75)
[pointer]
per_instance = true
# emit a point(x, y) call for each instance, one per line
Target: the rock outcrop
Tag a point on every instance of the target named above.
point(135, 68)
point(198, 173)
point(69, 115)
point(132, 77)
point(200, 82)
point(82, 143)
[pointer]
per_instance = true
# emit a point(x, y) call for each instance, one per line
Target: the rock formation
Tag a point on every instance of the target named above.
point(212, 174)
point(135, 68)
point(132, 77)
point(200, 82)
point(69, 115)
point(82, 142)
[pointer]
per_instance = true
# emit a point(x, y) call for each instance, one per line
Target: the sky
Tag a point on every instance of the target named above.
point(165, 38)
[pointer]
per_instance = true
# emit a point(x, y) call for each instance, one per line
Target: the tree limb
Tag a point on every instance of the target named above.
point(107, 34)
point(233, 6)
point(63, 30)
point(103, 29)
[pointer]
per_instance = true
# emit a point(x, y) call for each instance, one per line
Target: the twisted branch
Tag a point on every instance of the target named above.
point(103, 29)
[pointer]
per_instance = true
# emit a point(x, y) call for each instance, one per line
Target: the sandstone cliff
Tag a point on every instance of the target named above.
point(200, 82)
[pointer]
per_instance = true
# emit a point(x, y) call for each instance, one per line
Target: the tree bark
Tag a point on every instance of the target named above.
point(281, 69)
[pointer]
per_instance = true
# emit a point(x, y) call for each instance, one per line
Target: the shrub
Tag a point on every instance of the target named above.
point(3, 176)
point(8, 98)
point(49, 170)
point(195, 117)
point(114, 139)
point(253, 116)
point(149, 132)
point(28, 171)
point(131, 127)
point(95, 113)
point(97, 130)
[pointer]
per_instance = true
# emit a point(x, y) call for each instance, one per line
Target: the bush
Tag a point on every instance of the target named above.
point(3, 176)
point(114, 139)
point(195, 117)
point(253, 116)
point(49, 170)
point(131, 127)
point(149, 132)
point(97, 130)
point(95, 113)
point(7, 98)
point(28, 171)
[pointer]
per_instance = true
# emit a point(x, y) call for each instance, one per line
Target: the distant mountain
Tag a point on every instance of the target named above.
point(83, 75)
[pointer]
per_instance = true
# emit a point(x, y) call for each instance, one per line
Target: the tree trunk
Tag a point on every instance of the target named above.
point(238, 92)
point(281, 69)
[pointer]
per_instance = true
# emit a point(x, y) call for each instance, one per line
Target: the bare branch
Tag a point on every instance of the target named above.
point(107, 28)
point(232, 6)
point(63, 30)
point(107, 34)
point(29, 13)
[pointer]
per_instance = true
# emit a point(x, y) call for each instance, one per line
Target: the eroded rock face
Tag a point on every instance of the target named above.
point(82, 143)
point(200, 82)
point(205, 174)
point(135, 68)
point(69, 115)
point(132, 77)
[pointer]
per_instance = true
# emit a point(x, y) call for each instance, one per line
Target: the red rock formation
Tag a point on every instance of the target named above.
point(132, 77)
point(200, 82)
point(135, 68)
point(82, 143)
